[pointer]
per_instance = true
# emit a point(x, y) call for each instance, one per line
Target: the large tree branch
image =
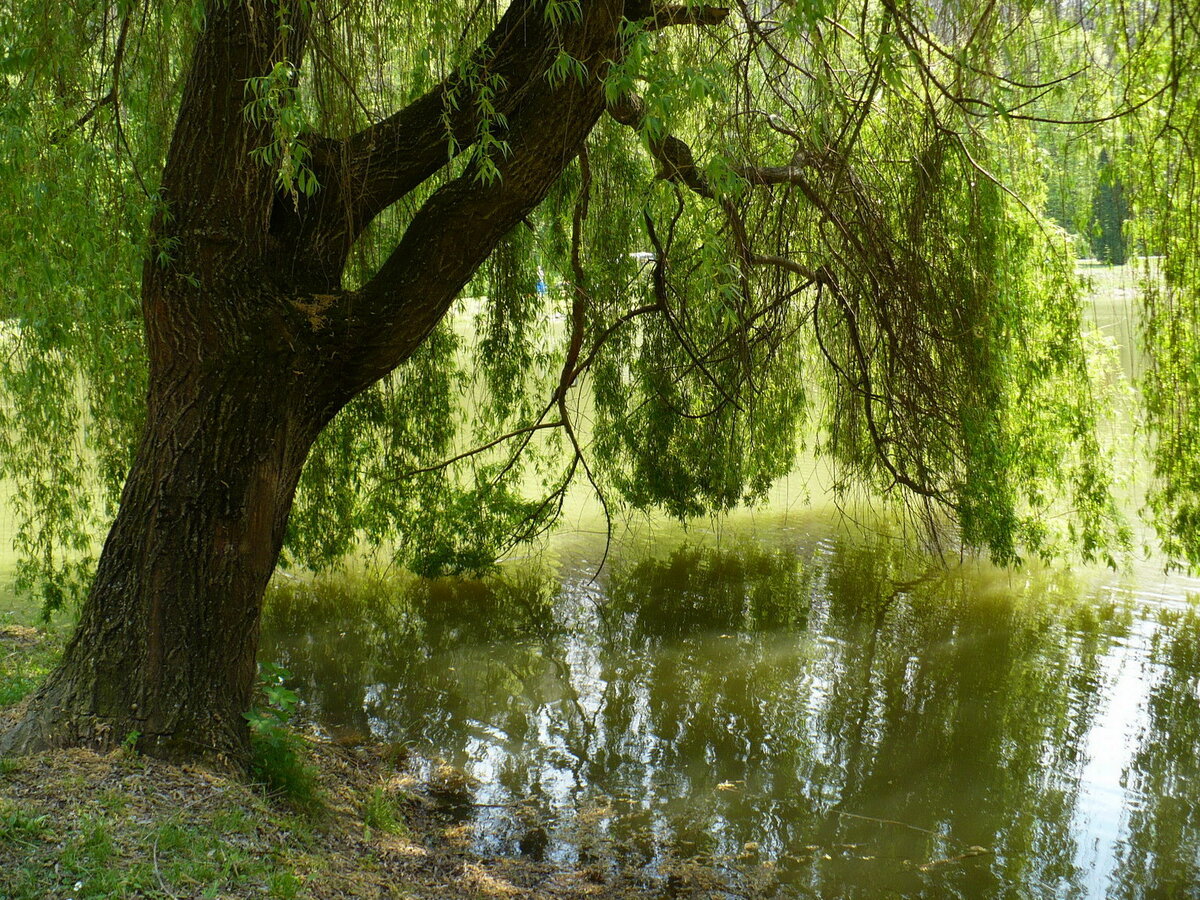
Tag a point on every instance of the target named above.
point(460, 224)
point(373, 169)
point(212, 228)
point(376, 167)
point(674, 156)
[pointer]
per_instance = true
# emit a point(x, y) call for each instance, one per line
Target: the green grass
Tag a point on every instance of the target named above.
point(24, 666)
point(106, 855)
point(20, 826)
point(110, 844)
point(379, 811)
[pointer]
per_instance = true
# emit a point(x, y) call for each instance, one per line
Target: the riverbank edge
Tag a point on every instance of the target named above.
point(78, 824)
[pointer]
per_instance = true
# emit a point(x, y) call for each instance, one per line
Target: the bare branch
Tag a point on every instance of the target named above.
point(482, 448)
point(782, 262)
point(109, 98)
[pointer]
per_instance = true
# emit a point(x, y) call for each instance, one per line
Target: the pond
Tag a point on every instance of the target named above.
point(804, 711)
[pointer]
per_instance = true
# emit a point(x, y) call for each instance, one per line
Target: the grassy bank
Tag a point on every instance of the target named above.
point(76, 824)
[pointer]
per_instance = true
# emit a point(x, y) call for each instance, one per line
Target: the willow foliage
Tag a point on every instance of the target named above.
point(1158, 158)
point(828, 218)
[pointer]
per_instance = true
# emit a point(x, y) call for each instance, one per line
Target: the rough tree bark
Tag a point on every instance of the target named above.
point(254, 347)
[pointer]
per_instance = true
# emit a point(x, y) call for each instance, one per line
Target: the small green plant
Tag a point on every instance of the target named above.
point(277, 754)
point(379, 813)
point(129, 745)
point(18, 826)
point(283, 884)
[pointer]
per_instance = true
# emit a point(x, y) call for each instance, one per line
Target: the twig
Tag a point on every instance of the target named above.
point(113, 92)
point(529, 429)
point(950, 860)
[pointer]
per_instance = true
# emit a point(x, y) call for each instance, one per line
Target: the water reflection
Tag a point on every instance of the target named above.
point(1161, 857)
point(824, 717)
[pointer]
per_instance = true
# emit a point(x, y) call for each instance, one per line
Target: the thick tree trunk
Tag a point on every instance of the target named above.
point(253, 348)
point(167, 640)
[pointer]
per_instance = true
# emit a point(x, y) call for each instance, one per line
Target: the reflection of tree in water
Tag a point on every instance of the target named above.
point(695, 590)
point(952, 710)
point(377, 657)
point(1160, 857)
point(807, 705)
point(918, 703)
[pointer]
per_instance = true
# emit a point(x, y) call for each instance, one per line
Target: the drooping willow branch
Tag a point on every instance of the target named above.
point(111, 97)
point(824, 177)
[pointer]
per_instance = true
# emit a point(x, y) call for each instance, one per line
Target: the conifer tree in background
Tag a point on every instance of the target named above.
point(1109, 212)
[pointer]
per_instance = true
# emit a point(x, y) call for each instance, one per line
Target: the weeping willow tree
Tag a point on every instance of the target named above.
point(274, 282)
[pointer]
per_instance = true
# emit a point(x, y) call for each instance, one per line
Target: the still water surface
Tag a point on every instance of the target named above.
point(802, 712)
